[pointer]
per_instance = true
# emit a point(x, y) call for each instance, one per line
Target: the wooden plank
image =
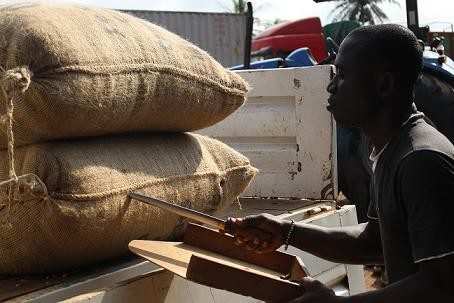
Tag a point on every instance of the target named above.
point(205, 254)
point(223, 244)
point(241, 281)
point(175, 256)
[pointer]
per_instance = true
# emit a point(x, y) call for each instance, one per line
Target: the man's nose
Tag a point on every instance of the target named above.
point(332, 86)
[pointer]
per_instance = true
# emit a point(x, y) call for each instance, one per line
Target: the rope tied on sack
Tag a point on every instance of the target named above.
point(12, 82)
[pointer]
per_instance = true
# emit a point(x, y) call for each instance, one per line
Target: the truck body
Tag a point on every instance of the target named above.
point(289, 136)
point(282, 39)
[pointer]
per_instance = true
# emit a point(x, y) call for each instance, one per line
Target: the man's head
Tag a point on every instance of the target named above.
point(377, 67)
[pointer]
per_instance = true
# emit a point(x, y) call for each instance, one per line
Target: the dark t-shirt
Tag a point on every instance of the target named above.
point(412, 196)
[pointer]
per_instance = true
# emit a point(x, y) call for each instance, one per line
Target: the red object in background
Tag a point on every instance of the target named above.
point(288, 36)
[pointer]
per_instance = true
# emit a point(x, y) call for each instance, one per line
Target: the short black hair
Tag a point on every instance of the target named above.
point(395, 47)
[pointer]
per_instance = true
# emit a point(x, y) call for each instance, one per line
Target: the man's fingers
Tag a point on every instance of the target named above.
point(254, 244)
point(308, 280)
point(239, 240)
point(299, 299)
point(314, 291)
point(305, 284)
point(252, 234)
point(256, 234)
point(308, 283)
point(249, 221)
point(311, 285)
point(265, 248)
point(247, 238)
point(251, 246)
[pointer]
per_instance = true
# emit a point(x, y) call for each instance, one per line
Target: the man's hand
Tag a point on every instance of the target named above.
point(316, 292)
point(246, 232)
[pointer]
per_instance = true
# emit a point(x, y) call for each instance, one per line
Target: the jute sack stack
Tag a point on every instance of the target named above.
point(72, 71)
point(74, 211)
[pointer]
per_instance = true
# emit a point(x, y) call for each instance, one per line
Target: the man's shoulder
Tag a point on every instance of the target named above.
point(412, 143)
point(425, 150)
point(427, 165)
point(420, 136)
point(424, 137)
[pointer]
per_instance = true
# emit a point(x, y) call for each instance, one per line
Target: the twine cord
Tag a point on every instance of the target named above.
point(12, 82)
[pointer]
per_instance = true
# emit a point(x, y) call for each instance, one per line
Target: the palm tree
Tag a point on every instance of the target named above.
point(238, 6)
point(363, 11)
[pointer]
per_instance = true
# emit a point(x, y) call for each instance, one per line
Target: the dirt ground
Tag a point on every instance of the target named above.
point(372, 278)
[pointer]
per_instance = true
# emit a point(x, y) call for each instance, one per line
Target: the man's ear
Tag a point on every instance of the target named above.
point(386, 84)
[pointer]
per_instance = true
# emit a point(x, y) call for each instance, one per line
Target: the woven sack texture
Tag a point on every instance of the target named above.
point(72, 208)
point(77, 71)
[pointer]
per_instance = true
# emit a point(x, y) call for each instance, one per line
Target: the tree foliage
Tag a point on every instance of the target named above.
point(238, 6)
point(363, 11)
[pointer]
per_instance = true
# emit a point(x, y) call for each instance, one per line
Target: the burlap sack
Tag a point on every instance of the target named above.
point(89, 71)
point(76, 211)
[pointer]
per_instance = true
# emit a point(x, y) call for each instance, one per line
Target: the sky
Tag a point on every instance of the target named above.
point(439, 14)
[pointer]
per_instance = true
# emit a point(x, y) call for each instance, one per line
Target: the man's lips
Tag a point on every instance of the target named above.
point(331, 104)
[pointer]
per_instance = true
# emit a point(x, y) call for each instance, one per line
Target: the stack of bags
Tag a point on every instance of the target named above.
point(94, 105)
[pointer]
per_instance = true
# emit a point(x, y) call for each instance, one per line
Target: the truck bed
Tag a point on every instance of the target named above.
point(286, 132)
point(101, 280)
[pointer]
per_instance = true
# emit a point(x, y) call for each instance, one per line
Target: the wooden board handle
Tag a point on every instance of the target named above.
point(241, 281)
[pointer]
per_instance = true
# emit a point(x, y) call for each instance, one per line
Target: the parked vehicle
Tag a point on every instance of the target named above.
point(282, 39)
point(434, 95)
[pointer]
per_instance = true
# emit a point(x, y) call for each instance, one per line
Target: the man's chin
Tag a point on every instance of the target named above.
point(345, 124)
point(340, 118)
point(342, 121)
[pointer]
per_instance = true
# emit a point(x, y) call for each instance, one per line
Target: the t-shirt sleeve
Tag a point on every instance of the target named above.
point(426, 193)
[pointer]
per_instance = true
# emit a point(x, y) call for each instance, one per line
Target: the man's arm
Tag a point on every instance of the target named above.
point(359, 244)
point(425, 189)
point(432, 283)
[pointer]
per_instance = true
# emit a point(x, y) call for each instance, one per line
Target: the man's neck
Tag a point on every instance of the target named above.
point(383, 127)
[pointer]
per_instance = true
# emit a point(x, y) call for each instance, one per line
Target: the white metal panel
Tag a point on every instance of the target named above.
point(286, 132)
point(324, 270)
point(222, 35)
point(88, 283)
point(355, 273)
point(196, 293)
point(146, 290)
point(315, 265)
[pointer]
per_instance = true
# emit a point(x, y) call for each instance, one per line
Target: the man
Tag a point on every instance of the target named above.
point(411, 216)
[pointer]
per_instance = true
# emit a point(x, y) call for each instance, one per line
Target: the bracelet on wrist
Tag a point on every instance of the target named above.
point(289, 234)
